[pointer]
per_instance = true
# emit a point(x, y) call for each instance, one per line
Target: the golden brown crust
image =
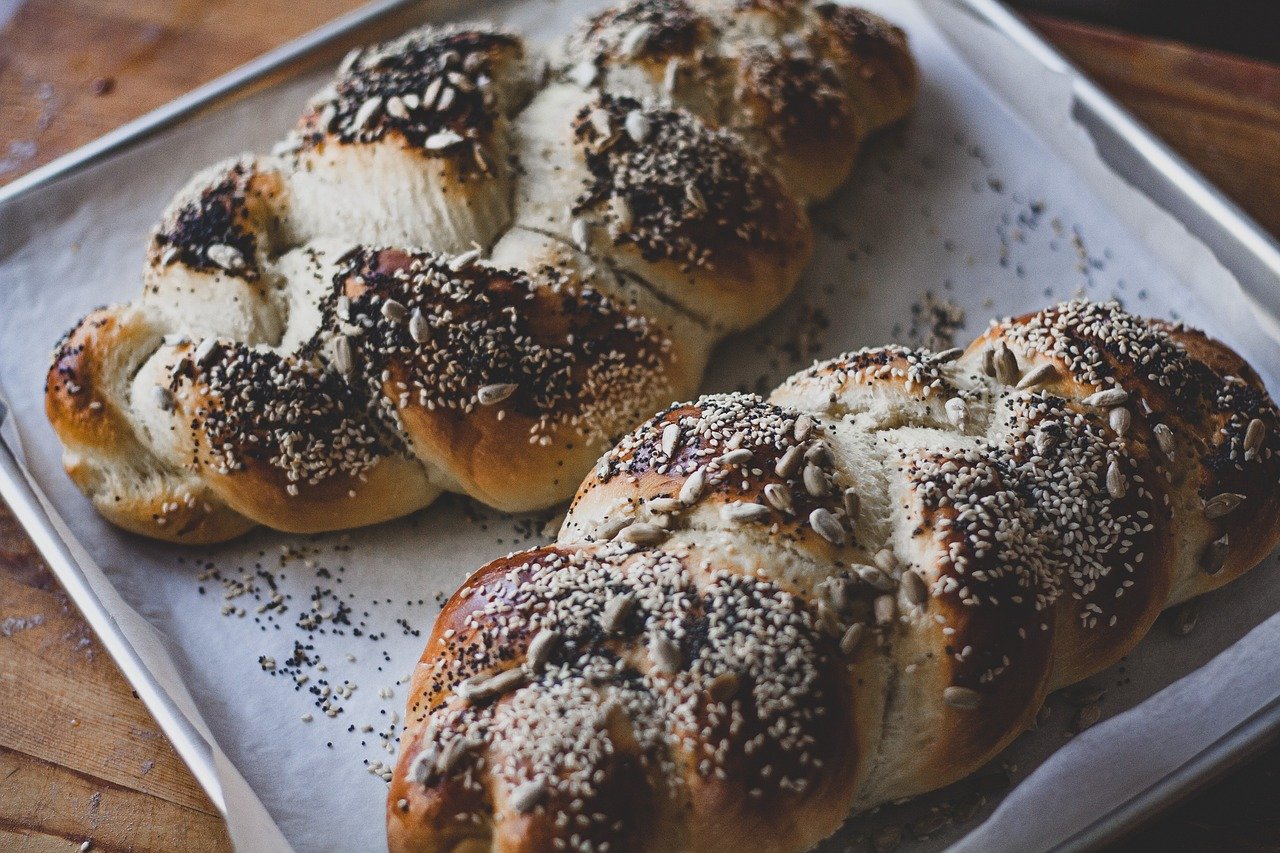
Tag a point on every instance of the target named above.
point(291, 366)
point(920, 545)
point(102, 452)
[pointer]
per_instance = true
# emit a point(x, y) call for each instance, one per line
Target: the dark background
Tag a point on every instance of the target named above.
point(1249, 27)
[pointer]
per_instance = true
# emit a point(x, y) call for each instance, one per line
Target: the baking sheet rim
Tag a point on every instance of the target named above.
point(198, 753)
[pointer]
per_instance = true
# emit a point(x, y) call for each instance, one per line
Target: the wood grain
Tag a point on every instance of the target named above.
point(80, 757)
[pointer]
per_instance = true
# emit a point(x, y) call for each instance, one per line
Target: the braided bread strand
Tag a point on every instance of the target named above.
point(465, 270)
point(763, 614)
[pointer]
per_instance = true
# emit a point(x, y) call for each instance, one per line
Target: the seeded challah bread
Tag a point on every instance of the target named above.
point(762, 615)
point(468, 270)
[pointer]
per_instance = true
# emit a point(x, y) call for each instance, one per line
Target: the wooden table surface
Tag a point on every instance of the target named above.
point(80, 757)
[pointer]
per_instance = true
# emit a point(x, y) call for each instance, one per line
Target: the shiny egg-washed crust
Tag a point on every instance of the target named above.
point(763, 615)
point(466, 269)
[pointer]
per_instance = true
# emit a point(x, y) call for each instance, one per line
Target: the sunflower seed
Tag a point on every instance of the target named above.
point(1107, 398)
point(163, 397)
point(874, 578)
point(693, 487)
point(948, 355)
point(1214, 555)
point(989, 362)
point(1223, 504)
point(540, 649)
point(852, 504)
point(836, 592)
point(1037, 376)
point(611, 527)
point(885, 561)
point(1006, 365)
point(828, 620)
point(1254, 435)
point(696, 198)
point(642, 533)
point(526, 796)
point(779, 497)
point(827, 526)
point(394, 311)
point(169, 255)
point(802, 428)
point(584, 73)
point(447, 96)
point(1164, 439)
point(460, 262)
point(452, 754)
point(815, 482)
point(963, 698)
point(616, 611)
point(670, 438)
point(1185, 618)
point(747, 513)
point(637, 125)
point(1120, 419)
point(422, 768)
point(505, 681)
point(411, 101)
point(204, 351)
point(665, 505)
point(580, 232)
point(724, 687)
point(481, 687)
point(914, 587)
point(1117, 483)
point(396, 107)
point(957, 411)
point(819, 454)
point(790, 462)
point(736, 457)
point(490, 395)
point(852, 638)
point(1045, 441)
point(885, 608)
point(343, 360)
point(227, 257)
point(419, 328)
point(365, 114)
point(442, 139)
point(665, 654)
point(633, 43)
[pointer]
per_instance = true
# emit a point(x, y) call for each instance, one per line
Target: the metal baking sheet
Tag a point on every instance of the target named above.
point(1250, 254)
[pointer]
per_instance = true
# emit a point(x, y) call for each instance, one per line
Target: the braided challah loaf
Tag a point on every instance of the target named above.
point(762, 615)
point(468, 271)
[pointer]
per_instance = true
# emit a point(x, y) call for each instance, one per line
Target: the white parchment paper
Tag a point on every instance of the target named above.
point(986, 203)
